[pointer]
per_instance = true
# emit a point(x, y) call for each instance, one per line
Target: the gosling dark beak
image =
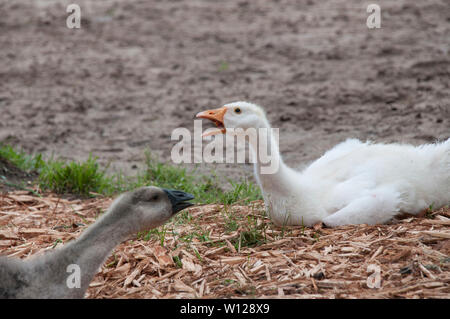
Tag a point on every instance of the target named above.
point(178, 199)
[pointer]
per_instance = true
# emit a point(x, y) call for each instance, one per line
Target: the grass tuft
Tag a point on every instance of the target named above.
point(20, 159)
point(87, 178)
point(75, 177)
point(253, 234)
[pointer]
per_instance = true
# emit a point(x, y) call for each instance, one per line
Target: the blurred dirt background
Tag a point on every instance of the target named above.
point(136, 70)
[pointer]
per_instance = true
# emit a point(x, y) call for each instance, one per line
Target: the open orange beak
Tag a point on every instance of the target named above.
point(216, 116)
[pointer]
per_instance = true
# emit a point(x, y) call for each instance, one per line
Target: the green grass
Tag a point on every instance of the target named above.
point(88, 178)
point(75, 177)
point(231, 223)
point(156, 233)
point(20, 159)
point(206, 188)
point(253, 234)
point(177, 261)
point(244, 192)
point(60, 176)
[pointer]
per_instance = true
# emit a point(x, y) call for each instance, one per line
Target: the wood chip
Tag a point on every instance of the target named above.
point(377, 252)
point(232, 260)
point(189, 265)
point(181, 286)
point(131, 277)
point(162, 255)
point(5, 234)
point(437, 234)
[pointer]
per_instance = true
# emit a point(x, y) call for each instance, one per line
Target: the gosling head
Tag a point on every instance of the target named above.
point(236, 115)
point(149, 207)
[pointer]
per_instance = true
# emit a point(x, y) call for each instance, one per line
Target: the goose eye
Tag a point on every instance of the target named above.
point(237, 110)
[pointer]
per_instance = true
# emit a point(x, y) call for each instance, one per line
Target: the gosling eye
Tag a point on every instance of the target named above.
point(237, 110)
point(154, 198)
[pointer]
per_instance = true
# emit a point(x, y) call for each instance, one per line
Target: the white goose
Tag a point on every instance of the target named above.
point(353, 183)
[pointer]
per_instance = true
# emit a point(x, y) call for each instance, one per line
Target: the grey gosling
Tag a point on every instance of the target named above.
point(53, 274)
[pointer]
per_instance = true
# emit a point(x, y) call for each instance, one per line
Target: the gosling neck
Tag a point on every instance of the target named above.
point(106, 233)
point(91, 249)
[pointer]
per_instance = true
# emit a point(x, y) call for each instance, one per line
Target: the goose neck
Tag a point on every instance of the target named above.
point(91, 249)
point(269, 166)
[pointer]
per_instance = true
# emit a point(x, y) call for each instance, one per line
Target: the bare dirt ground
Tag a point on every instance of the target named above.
point(136, 70)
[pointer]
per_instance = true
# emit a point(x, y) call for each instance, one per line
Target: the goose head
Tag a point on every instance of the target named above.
point(149, 207)
point(234, 116)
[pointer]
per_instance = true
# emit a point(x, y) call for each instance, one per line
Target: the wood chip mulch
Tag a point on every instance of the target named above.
point(212, 251)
